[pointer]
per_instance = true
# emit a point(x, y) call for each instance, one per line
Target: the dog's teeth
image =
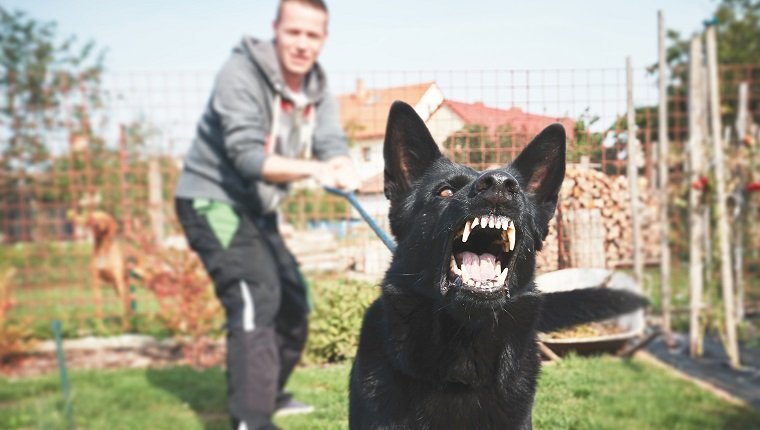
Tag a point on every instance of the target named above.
point(467, 230)
point(474, 222)
point(505, 223)
point(454, 267)
point(502, 276)
point(511, 235)
point(498, 267)
point(491, 222)
point(497, 224)
point(465, 275)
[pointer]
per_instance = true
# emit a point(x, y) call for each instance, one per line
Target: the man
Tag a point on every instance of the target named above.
point(269, 112)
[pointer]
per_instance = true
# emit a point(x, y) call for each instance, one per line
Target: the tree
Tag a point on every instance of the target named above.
point(50, 90)
point(474, 145)
point(37, 75)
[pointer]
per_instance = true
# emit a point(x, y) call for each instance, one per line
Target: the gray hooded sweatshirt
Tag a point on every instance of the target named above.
point(251, 113)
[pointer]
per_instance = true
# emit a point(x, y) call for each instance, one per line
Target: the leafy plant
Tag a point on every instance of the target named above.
point(14, 336)
point(184, 295)
point(336, 320)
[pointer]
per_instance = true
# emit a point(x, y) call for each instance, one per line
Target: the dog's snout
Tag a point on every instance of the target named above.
point(494, 180)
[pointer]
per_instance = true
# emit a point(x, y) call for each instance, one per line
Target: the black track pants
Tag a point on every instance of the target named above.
point(257, 280)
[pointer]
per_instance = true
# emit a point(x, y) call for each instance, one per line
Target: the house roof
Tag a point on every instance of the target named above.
point(364, 113)
point(516, 119)
point(373, 185)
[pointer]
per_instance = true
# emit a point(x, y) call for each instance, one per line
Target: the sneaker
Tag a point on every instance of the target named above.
point(291, 406)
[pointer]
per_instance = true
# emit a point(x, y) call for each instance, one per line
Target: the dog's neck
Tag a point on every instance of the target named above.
point(467, 349)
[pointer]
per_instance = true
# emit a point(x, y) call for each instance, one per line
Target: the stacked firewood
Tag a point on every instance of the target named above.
point(596, 218)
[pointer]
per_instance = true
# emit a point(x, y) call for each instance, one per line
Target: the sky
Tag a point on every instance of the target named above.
point(187, 35)
point(161, 55)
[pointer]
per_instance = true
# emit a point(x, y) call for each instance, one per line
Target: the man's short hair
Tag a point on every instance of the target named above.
point(316, 4)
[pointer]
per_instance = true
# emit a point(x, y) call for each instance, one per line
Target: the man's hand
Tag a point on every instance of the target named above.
point(344, 172)
point(338, 172)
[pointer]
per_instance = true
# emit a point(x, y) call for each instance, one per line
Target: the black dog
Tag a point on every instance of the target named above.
point(451, 342)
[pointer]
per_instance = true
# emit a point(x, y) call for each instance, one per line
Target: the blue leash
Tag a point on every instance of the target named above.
point(351, 197)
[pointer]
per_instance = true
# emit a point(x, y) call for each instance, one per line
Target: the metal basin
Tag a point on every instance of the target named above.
point(628, 326)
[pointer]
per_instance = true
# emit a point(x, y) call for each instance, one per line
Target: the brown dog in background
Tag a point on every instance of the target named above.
point(108, 262)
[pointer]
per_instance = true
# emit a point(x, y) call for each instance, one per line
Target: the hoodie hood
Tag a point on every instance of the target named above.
point(264, 56)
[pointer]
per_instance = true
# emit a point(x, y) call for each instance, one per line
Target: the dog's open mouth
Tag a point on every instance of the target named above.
point(481, 254)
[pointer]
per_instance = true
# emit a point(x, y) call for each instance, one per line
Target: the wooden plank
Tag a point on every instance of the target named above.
point(697, 208)
point(662, 138)
point(638, 261)
point(742, 131)
point(726, 278)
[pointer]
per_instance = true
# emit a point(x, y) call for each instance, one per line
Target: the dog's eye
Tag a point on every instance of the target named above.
point(445, 192)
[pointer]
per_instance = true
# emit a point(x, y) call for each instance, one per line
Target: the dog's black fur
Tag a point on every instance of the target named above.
point(433, 352)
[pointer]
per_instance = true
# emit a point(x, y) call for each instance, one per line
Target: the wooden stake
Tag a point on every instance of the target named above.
point(732, 347)
point(633, 153)
point(742, 131)
point(155, 201)
point(662, 125)
point(697, 133)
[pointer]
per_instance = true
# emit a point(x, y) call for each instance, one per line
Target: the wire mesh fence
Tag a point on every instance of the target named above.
point(114, 143)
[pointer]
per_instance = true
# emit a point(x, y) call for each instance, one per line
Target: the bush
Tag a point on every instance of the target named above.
point(336, 319)
point(186, 304)
point(14, 336)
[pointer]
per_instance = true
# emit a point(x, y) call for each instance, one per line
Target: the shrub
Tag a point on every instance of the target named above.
point(14, 336)
point(336, 319)
point(186, 305)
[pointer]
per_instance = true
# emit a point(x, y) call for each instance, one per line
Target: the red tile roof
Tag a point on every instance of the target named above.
point(494, 119)
point(363, 114)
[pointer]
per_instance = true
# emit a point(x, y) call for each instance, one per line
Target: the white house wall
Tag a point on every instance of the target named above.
point(429, 102)
point(443, 123)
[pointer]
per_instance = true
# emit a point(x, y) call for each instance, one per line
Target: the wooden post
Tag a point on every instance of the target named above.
point(126, 217)
point(697, 208)
point(742, 131)
point(633, 187)
point(585, 229)
point(155, 201)
point(662, 137)
point(726, 278)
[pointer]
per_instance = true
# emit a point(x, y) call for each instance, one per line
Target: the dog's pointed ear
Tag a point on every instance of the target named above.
point(409, 149)
point(541, 166)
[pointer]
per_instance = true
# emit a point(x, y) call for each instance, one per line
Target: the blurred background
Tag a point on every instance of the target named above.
point(100, 102)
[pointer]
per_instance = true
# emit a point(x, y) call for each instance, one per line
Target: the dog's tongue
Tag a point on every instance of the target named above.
point(479, 267)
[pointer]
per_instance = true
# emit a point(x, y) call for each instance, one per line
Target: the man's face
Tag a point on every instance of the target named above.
point(300, 34)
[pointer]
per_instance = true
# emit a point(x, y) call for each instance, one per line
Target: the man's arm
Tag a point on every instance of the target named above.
point(336, 172)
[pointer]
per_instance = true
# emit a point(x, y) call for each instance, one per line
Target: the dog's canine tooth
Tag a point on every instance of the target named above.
point(467, 230)
point(502, 276)
point(474, 222)
point(504, 241)
point(511, 235)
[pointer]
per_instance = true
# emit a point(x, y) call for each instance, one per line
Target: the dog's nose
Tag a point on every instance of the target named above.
point(495, 186)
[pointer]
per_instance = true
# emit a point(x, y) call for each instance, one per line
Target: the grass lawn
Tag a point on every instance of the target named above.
point(579, 393)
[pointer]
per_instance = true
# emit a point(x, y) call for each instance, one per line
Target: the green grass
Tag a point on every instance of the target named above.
point(579, 393)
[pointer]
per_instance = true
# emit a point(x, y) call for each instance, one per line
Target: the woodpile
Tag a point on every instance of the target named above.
point(595, 225)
